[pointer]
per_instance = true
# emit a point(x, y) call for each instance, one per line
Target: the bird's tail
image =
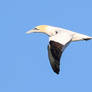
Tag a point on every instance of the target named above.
point(78, 37)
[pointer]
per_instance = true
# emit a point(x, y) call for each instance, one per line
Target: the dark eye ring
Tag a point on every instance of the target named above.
point(56, 32)
point(35, 29)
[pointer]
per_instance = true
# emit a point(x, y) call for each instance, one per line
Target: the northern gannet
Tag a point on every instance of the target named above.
point(59, 38)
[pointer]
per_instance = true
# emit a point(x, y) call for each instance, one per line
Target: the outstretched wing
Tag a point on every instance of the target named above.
point(56, 47)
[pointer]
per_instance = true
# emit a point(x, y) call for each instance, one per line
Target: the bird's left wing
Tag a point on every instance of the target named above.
point(56, 47)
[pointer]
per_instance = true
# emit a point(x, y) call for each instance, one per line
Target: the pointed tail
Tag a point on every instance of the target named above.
point(78, 37)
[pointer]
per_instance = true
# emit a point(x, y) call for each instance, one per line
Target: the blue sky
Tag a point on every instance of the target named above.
point(24, 64)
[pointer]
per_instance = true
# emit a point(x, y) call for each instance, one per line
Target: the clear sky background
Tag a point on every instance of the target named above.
point(24, 64)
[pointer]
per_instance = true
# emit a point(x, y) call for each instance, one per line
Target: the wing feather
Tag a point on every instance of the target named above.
point(55, 49)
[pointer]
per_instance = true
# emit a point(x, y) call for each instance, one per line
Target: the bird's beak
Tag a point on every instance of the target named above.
point(31, 31)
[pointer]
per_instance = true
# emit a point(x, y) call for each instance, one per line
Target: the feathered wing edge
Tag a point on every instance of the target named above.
point(55, 50)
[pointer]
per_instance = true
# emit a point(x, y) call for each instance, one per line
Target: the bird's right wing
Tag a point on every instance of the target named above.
point(56, 47)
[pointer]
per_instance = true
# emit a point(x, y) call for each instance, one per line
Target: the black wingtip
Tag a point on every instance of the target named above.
point(56, 70)
point(57, 73)
point(87, 39)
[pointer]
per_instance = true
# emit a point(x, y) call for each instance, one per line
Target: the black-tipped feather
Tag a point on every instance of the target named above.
point(55, 50)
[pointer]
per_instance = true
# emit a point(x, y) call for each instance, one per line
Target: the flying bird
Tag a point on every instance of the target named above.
point(59, 39)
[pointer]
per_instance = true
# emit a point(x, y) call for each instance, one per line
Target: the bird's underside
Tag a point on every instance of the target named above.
point(59, 39)
point(56, 46)
point(55, 51)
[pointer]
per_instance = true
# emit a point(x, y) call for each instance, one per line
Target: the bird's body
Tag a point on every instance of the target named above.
point(59, 38)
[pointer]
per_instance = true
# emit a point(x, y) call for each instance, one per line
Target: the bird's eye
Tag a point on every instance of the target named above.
point(56, 32)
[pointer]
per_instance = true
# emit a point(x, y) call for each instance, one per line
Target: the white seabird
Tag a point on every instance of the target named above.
point(59, 38)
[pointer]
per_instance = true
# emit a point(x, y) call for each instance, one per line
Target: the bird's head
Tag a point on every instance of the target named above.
point(49, 30)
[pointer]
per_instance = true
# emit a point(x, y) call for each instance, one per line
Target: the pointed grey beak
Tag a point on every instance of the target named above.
point(32, 31)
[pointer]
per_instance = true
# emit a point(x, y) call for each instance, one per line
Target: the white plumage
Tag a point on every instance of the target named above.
point(59, 38)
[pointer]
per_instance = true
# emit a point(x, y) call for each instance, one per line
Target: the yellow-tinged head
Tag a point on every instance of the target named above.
point(41, 28)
